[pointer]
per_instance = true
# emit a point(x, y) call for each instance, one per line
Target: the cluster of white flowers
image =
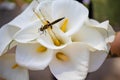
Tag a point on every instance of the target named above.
point(54, 33)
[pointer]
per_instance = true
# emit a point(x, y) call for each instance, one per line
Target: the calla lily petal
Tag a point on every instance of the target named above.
point(7, 71)
point(96, 60)
point(29, 33)
point(111, 34)
point(76, 67)
point(90, 36)
point(29, 56)
point(26, 17)
point(94, 23)
point(6, 36)
point(70, 9)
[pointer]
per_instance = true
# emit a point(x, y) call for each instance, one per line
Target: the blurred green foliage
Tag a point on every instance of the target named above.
point(27, 1)
point(107, 10)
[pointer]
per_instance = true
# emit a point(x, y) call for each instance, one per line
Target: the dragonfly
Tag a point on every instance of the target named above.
point(44, 20)
point(50, 24)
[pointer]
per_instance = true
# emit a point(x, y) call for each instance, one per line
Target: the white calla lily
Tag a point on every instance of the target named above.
point(53, 38)
point(33, 56)
point(98, 36)
point(9, 70)
point(108, 34)
point(71, 62)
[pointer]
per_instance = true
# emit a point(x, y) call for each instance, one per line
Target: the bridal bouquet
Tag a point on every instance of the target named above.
point(54, 33)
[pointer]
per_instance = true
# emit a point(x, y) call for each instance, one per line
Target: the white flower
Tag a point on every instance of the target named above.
point(53, 10)
point(9, 70)
point(98, 36)
point(71, 62)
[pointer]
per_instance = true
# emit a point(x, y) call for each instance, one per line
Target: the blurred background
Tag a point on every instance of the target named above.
point(100, 10)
